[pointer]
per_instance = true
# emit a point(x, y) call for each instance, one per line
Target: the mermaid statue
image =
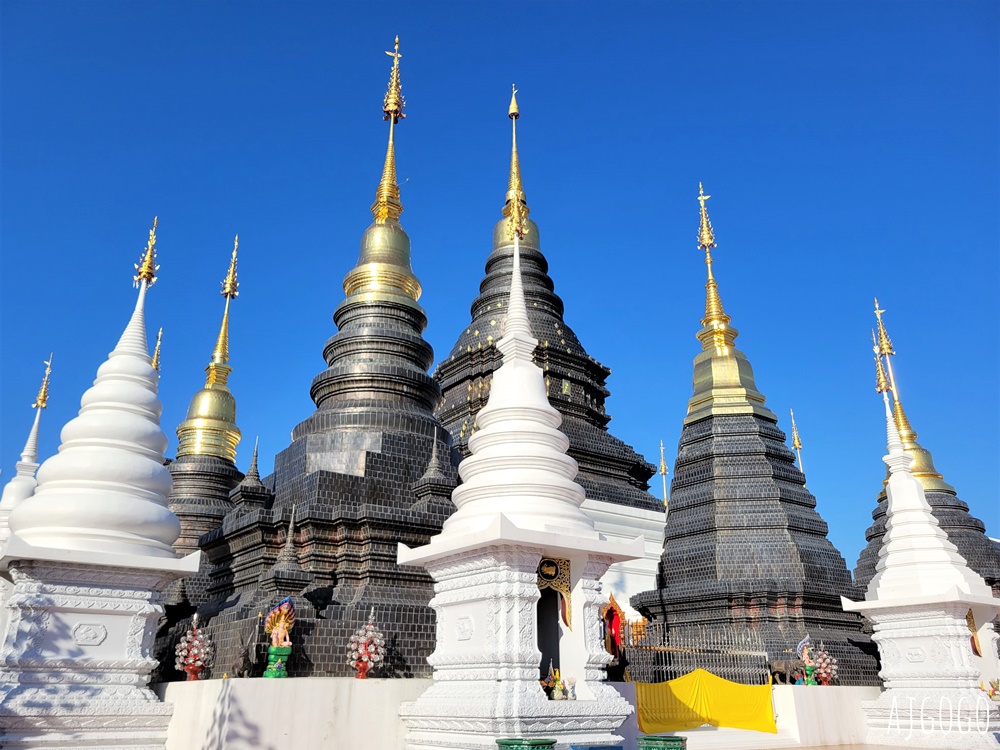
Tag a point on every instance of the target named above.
point(277, 625)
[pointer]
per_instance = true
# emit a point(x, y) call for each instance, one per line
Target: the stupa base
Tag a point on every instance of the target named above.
point(76, 655)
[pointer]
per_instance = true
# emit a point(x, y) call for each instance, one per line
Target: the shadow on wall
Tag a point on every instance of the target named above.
point(231, 726)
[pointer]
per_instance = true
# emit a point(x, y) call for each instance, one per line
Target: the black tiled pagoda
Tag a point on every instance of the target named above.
point(352, 480)
point(744, 545)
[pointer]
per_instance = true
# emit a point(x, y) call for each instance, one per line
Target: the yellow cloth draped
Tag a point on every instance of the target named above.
point(702, 698)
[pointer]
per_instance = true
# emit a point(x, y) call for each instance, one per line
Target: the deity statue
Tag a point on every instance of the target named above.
point(279, 622)
point(804, 650)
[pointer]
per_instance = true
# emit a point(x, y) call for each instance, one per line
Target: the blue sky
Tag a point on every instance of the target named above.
point(851, 150)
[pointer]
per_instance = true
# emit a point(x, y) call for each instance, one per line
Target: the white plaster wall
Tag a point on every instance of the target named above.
point(341, 712)
point(620, 523)
point(303, 712)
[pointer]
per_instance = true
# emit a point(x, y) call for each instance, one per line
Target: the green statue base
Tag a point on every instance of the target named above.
point(810, 674)
point(277, 658)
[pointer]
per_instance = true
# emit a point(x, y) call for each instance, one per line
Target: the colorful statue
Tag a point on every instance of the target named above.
point(805, 654)
point(278, 625)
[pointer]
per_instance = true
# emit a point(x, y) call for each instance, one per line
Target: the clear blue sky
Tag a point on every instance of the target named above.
point(851, 150)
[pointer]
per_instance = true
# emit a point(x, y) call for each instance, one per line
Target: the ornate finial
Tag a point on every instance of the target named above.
point(706, 237)
point(146, 268)
point(881, 381)
point(663, 472)
point(156, 351)
point(393, 102)
point(884, 343)
point(715, 316)
point(387, 205)
point(230, 285)
point(516, 208)
point(796, 442)
point(42, 399)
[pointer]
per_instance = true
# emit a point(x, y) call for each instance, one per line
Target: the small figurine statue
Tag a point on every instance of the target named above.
point(279, 622)
point(194, 651)
point(366, 648)
point(805, 654)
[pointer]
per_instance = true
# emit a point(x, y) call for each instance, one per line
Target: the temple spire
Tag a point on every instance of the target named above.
point(663, 472)
point(22, 484)
point(210, 427)
point(516, 207)
point(146, 268)
point(923, 463)
point(796, 441)
point(387, 206)
point(715, 320)
point(156, 349)
point(230, 289)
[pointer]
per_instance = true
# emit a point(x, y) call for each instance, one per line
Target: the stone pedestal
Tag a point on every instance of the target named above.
point(932, 675)
point(486, 666)
point(77, 651)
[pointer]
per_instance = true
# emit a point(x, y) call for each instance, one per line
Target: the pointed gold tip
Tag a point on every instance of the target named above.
point(881, 381)
point(884, 343)
point(387, 206)
point(715, 315)
point(663, 461)
point(146, 268)
point(42, 399)
point(796, 442)
point(230, 286)
point(706, 236)
point(516, 206)
point(156, 351)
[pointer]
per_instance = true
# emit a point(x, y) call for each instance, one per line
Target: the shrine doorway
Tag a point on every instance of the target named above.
point(548, 615)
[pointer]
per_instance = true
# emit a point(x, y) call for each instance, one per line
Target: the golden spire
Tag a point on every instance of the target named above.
point(387, 206)
point(715, 316)
point(663, 473)
point(42, 399)
point(156, 351)
point(230, 289)
point(146, 268)
point(516, 208)
point(796, 441)
point(210, 427)
point(883, 343)
point(881, 382)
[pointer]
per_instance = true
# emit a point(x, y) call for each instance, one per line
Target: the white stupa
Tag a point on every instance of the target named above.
point(931, 616)
point(88, 553)
point(518, 526)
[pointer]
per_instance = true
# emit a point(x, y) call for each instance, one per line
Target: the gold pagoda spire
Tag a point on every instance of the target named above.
point(663, 473)
point(156, 351)
point(387, 206)
point(923, 463)
point(210, 428)
point(146, 268)
point(230, 289)
point(42, 399)
point(796, 441)
point(715, 316)
point(516, 207)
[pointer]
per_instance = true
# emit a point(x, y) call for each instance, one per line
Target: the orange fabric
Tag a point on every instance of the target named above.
point(702, 698)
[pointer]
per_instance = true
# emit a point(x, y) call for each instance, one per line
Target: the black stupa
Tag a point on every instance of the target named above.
point(744, 545)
